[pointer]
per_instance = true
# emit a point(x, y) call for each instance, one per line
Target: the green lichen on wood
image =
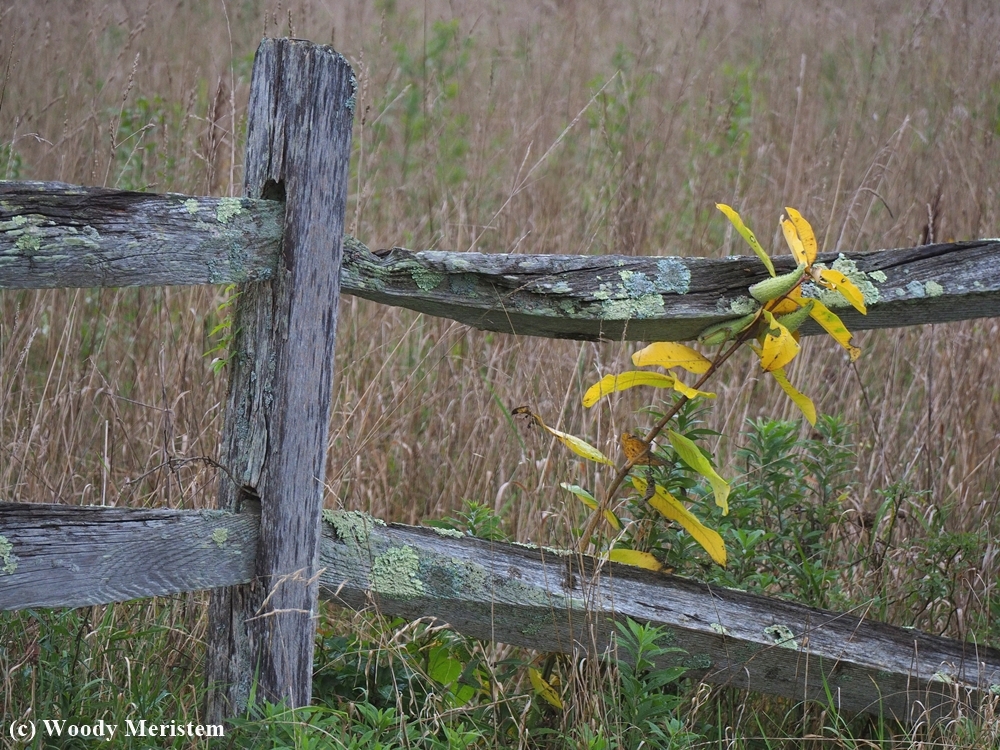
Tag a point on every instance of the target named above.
point(192, 205)
point(220, 536)
point(396, 573)
point(673, 276)
point(7, 556)
point(933, 289)
point(28, 243)
point(647, 306)
point(352, 526)
point(425, 279)
point(743, 305)
point(452, 533)
point(782, 636)
point(227, 209)
point(719, 628)
point(879, 276)
point(636, 284)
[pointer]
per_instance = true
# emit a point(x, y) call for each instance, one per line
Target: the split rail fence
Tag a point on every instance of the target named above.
point(270, 549)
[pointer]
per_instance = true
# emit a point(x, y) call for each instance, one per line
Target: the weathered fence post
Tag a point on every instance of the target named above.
point(277, 412)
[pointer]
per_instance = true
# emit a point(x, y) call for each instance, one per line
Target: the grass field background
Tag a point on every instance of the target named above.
point(554, 127)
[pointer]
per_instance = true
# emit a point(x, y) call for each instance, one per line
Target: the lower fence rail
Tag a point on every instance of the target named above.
point(541, 598)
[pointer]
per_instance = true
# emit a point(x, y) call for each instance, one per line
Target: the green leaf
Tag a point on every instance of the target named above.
point(591, 502)
point(694, 458)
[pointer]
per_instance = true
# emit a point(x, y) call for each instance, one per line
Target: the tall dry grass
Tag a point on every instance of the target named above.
point(561, 127)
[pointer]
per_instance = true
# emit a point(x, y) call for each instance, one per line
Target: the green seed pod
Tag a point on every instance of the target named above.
point(777, 287)
point(793, 320)
point(720, 333)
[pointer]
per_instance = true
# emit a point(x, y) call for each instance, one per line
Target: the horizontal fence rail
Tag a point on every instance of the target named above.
point(546, 599)
point(54, 235)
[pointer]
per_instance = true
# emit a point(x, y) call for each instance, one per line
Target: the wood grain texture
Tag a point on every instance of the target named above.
point(56, 555)
point(56, 235)
point(75, 556)
point(664, 298)
point(278, 408)
point(553, 601)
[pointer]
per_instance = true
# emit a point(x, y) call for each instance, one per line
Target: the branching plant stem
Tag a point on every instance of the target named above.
point(598, 514)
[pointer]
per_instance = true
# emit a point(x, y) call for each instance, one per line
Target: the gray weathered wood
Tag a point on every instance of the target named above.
point(663, 298)
point(278, 408)
point(555, 601)
point(56, 555)
point(75, 556)
point(56, 235)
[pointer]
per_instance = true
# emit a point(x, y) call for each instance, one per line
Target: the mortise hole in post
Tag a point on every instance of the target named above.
point(273, 191)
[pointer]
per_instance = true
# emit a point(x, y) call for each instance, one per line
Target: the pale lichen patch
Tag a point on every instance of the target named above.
point(352, 526)
point(426, 280)
point(395, 573)
point(933, 289)
point(719, 628)
point(28, 243)
point(561, 287)
point(743, 306)
point(227, 209)
point(648, 306)
point(220, 536)
point(191, 205)
point(7, 556)
point(636, 284)
point(782, 636)
point(452, 533)
point(673, 276)
point(879, 276)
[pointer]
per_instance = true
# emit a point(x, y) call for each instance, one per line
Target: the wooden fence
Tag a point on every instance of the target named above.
point(270, 550)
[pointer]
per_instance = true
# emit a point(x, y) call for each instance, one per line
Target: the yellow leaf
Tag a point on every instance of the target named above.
point(833, 325)
point(806, 235)
point(801, 400)
point(668, 354)
point(672, 508)
point(694, 458)
point(691, 393)
point(635, 558)
point(746, 234)
point(575, 444)
point(836, 280)
point(591, 502)
point(787, 304)
point(779, 346)
point(793, 242)
point(613, 383)
point(544, 689)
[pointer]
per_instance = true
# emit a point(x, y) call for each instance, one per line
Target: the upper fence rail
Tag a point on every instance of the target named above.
point(57, 235)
